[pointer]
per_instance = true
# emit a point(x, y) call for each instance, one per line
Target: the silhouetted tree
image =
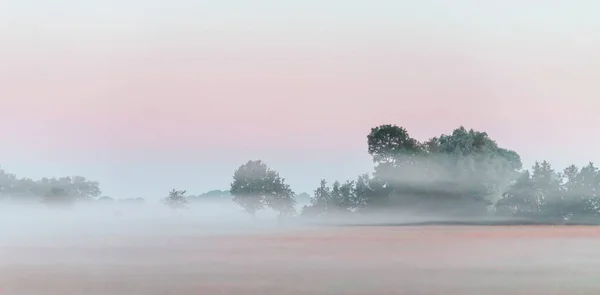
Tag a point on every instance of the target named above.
point(255, 186)
point(176, 199)
point(320, 202)
point(459, 173)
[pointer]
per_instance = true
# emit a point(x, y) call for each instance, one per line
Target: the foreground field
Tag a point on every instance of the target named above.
point(334, 260)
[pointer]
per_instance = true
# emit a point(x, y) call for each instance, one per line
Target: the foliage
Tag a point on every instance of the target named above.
point(461, 173)
point(62, 191)
point(213, 195)
point(176, 199)
point(390, 144)
point(546, 194)
point(58, 197)
point(256, 186)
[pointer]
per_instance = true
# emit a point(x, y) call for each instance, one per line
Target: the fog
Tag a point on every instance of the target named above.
point(217, 248)
point(399, 230)
point(36, 223)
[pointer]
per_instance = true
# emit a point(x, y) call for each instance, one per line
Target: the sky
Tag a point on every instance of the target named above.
point(147, 95)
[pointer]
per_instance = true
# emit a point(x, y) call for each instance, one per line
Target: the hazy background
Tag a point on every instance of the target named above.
point(144, 96)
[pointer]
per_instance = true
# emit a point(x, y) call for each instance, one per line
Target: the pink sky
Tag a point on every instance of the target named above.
point(322, 99)
point(535, 92)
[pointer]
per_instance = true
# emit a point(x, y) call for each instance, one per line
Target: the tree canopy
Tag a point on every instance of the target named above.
point(63, 190)
point(256, 186)
point(462, 173)
point(176, 199)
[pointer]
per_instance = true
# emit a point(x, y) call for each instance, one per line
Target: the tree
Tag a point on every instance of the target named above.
point(335, 198)
point(362, 191)
point(281, 198)
point(580, 192)
point(392, 149)
point(471, 156)
point(347, 197)
point(176, 199)
point(58, 197)
point(547, 189)
point(303, 198)
point(256, 186)
point(83, 188)
point(462, 172)
point(75, 188)
point(520, 198)
point(391, 143)
point(551, 196)
point(320, 202)
point(213, 195)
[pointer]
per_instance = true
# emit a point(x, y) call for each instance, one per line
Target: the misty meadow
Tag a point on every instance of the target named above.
point(463, 174)
point(61, 236)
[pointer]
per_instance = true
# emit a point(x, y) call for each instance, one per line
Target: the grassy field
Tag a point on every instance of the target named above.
point(329, 260)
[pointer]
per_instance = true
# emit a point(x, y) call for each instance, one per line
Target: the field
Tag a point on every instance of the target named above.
point(329, 260)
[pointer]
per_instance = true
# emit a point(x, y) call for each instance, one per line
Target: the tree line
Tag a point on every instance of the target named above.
point(52, 191)
point(463, 173)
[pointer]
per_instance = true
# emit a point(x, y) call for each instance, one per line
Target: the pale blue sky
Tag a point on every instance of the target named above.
point(292, 17)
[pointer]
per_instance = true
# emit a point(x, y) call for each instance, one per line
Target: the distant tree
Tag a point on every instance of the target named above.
point(580, 194)
point(340, 198)
point(547, 189)
point(320, 202)
point(393, 150)
point(459, 173)
point(72, 189)
point(139, 201)
point(347, 197)
point(393, 145)
point(352, 196)
point(213, 195)
point(520, 198)
point(282, 199)
point(176, 199)
point(58, 197)
point(551, 196)
point(106, 200)
point(362, 192)
point(335, 198)
point(83, 188)
point(322, 195)
point(303, 198)
point(256, 186)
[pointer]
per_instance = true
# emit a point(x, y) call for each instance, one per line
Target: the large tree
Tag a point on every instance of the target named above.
point(392, 147)
point(458, 173)
point(256, 186)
